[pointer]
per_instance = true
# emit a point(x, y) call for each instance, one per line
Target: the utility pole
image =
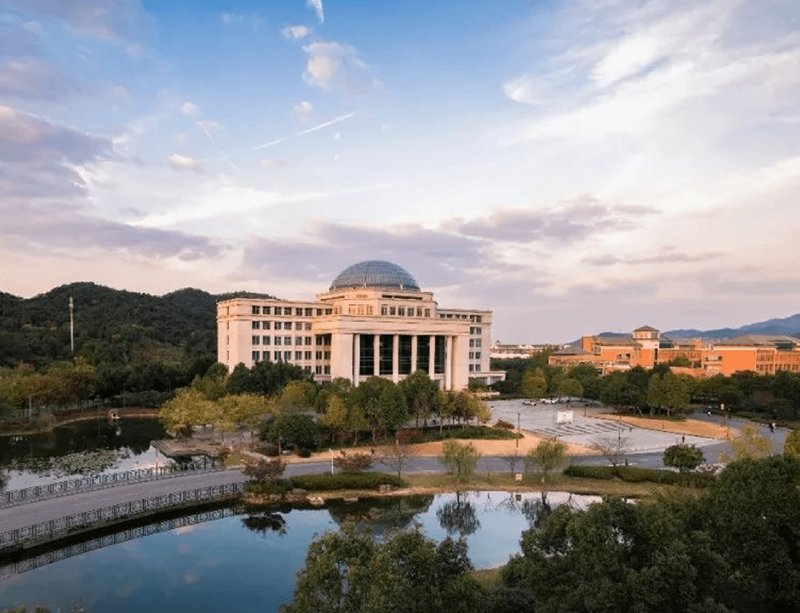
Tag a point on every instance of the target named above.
point(71, 327)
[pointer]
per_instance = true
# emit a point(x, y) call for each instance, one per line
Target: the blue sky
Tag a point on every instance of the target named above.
point(574, 166)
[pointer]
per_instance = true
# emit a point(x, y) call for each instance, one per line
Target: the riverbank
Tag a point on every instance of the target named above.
point(44, 425)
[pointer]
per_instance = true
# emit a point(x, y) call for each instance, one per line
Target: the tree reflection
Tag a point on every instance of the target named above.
point(265, 522)
point(458, 516)
point(380, 515)
point(536, 510)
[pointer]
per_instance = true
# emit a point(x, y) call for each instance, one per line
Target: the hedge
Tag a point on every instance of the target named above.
point(345, 481)
point(634, 474)
point(278, 486)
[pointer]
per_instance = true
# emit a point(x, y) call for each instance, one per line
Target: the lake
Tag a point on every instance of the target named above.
point(248, 561)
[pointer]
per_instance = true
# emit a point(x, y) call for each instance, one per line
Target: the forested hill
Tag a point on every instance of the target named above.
point(110, 325)
point(786, 325)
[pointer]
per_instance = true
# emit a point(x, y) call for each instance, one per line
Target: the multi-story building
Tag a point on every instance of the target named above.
point(763, 354)
point(373, 320)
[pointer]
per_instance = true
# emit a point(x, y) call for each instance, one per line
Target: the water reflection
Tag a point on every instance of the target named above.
point(246, 559)
point(458, 516)
point(37, 459)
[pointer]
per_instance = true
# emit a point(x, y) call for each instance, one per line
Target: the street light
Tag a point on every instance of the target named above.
point(331, 450)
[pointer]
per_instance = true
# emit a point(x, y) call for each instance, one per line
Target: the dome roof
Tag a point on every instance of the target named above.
point(375, 273)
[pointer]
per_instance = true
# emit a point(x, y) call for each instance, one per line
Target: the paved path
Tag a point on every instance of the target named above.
point(53, 508)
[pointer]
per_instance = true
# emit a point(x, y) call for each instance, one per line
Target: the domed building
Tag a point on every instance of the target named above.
point(374, 320)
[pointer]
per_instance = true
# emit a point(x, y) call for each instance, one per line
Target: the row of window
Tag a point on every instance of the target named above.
point(280, 325)
point(402, 311)
point(286, 310)
point(474, 355)
point(475, 342)
point(278, 356)
point(475, 330)
point(278, 340)
point(475, 318)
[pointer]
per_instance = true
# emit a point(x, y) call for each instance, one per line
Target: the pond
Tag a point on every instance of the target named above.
point(36, 459)
point(248, 561)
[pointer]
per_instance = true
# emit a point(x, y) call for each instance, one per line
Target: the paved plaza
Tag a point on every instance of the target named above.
point(585, 428)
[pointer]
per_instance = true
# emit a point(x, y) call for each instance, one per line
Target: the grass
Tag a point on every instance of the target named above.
point(235, 459)
point(555, 482)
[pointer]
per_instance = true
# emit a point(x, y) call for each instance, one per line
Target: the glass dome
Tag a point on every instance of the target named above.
point(375, 273)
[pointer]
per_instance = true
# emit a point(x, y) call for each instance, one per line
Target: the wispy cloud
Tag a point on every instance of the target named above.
point(312, 129)
point(303, 110)
point(295, 32)
point(332, 65)
point(318, 9)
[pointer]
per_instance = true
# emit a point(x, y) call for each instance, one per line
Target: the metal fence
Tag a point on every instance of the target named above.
point(107, 540)
point(68, 487)
point(63, 526)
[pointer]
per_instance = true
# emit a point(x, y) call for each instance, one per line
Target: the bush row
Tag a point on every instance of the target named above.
point(634, 474)
point(326, 482)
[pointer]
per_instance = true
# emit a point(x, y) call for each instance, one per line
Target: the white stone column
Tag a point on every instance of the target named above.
point(396, 358)
point(431, 356)
point(342, 356)
point(413, 354)
point(448, 363)
point(356, 357)
point(376, 358)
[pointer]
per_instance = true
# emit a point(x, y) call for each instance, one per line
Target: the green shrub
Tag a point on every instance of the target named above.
point(304, 452)
point(504, 425)
point(345, 481)
point(278, 486)
point(635, 474)
point(270, 450)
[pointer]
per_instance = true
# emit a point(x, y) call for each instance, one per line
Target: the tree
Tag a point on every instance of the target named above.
point(294, 429)
point(382, 404)
point(353, 462)
point(420, 394)
point(188, 408)
point(335, 416)
point(533, 384)
point(571, 388)
point(611, 448)
point(297, 396)
point(750, 444)
point(460, 459)
point(458, 517)
point(791, 445)
point(397, 456)
point(263, 471)
point(547, 455)
point(683, 457)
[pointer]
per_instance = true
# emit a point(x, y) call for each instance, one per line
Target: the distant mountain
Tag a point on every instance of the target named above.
point(787, 325)
point(110, 325)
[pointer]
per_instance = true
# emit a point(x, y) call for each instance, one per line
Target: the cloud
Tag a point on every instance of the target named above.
point(183, 163)
point(120, 23)
point(295, 32)
point(568, 222)
point(667, 255)
point(190, 109)
point(332, 65)
point(312, 129)
point(33, 80)
point(303, 110)
point(317, 6)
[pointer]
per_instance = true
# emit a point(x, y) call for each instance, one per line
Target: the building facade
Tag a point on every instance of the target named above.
point(645, 347)
point(374, 320)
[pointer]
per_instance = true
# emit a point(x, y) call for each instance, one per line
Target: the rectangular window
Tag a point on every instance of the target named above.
point(392, 311)
point(287, 356)
point(386, 345)
point(298, 312)
point(318, 370)
point(472, 342)
point(471, 369)
point(477, 355)
point(265, 356)
point(255, 325)
point(265, 340)
point(404, 353)
point(471, 355)
point(277, 340)
point(423, 353)
point(326, 355)
point(307, 326)
point(265, 325)
point(477, 342)
point(255, 355)
point(427, 312)
point(267, 310)
point(287, 340)
point(307, 342)
point(328, 311)
point(439, 355)
point(287, 325)
point(256, 339)
point(298, 355)
point(401, 311)
point(319, 355)
point(308, 312)
point(319, 312)
point(419, 311)
point(278, 310)
point(327, 370)
point(276, 355)
point(278, 325)
point(384, 310)
point(298, 340)
point(307, 355)
point(256, 310)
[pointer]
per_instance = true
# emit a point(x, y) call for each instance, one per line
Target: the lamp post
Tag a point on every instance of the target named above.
point(331, 450)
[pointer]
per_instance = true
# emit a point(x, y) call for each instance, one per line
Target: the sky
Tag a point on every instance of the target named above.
point(576, 167)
